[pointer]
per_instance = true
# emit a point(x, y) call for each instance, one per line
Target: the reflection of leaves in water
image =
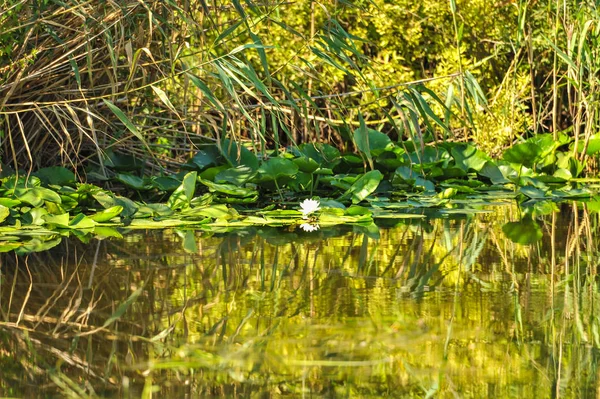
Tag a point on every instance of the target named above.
point(525, 231)
point(370, 311)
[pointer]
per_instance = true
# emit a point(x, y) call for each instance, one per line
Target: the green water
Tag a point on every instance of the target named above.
point(439, 307)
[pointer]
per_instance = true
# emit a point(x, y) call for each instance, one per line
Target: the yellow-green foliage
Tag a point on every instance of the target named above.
point(401, 41)
point(508, 116)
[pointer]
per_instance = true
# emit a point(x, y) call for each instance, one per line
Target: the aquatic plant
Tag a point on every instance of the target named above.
point(308, 207)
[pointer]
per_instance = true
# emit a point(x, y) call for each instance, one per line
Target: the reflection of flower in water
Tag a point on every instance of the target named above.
point(309, 227)
point(309, 206)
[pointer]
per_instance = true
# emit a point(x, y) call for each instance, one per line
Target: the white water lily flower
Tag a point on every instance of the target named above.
point(309, 206)
point(308, 227)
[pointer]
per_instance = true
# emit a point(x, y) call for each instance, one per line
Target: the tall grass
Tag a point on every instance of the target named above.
point(563, 60)
point(158, 79)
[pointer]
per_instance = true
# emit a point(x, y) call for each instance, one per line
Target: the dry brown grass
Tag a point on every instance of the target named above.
point(67, 61)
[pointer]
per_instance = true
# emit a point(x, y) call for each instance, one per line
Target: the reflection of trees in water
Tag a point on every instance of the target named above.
point(275, 311)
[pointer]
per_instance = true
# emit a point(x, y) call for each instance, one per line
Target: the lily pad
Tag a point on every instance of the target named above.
point(364, 186)
point(277, 167)
point(238, 155)
point(526, 154)
point(56, 175)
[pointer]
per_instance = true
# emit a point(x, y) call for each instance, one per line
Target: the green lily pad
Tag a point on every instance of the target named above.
point(371, 142)
point(277, 167)
point(238, 155)
point(36, 196)
point(238, 175)
point(4, 213)
point(228, 189)
point(209, 155)
point(56, 175)
point(364, 186)
point(107, 214)
point(468, 157)
point(81, 222)
point(135, 182)
point(526, 154)
point(182, 196)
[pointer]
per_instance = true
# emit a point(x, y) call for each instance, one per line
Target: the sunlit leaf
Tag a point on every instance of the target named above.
point(36, 196)
point(526, 154)
point(364, 186)
point(107, 214)
point(4, 213)
point(182, 196)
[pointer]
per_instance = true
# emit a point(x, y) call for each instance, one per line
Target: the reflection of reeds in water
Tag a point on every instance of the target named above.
point(446, 306)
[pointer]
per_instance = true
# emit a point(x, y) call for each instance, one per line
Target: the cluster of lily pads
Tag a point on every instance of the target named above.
point(539, 167)
point(226, 185)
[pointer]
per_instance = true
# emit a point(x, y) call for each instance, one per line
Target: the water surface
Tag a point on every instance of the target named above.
point(462, 306)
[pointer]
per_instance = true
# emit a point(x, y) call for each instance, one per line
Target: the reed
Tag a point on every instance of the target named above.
point(159, 79)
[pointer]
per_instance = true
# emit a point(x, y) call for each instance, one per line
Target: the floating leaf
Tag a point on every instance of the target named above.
point(238, 155)
point(207, 156)
point(492, 172)
point(35, 217)
point(306, 164)
point(220, 211)
point(4, 213)
point(81, 222)
point(9, 202)
point(36, 196)
point(165, 183)
point(61, 220)
point(526, 154)
point(468, 157)
point(277, 167)
point(107, 214)
point(325, 155)
point(364, 186)
point(182, 196)
point(228, 189)
point(153, 210)
point(132, 181)
point(237, 176)
point(371, 142)
point(109, 201)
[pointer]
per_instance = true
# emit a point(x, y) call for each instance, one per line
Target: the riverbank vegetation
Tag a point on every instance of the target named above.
point(158, 80)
